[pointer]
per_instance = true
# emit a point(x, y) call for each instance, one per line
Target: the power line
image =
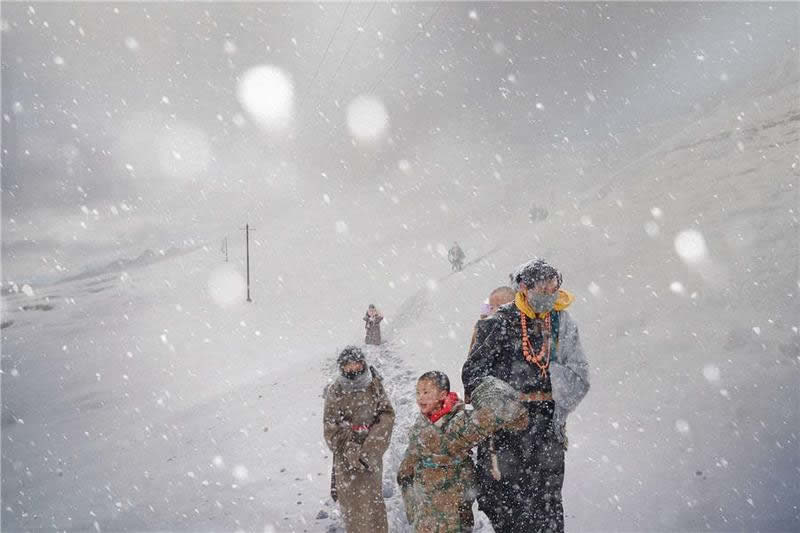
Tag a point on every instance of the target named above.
point(407, 47)
point(327, 48)
point(347, 52)
point(352, 42)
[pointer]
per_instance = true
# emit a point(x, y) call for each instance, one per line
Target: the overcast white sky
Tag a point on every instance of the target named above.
point(123, 129)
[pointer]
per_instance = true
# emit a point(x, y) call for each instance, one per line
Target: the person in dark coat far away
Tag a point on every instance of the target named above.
point(456, 257)
point(373, 326)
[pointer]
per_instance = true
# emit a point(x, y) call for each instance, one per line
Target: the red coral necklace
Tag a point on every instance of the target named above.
point(542, 357)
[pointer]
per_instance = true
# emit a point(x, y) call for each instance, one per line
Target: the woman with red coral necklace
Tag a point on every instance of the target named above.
point(534, 346)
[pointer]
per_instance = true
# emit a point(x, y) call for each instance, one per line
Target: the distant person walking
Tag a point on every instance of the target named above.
point(372, 323)
point(456, 257)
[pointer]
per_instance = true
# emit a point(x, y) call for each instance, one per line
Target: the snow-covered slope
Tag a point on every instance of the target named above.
point(140, 400)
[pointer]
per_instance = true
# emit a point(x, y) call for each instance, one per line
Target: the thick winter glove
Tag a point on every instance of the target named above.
point(352, 456)
point(372, 456)
point(520, 423)
point(497, 406)
point(367, 463)
point(405, 472)
point(405, 480)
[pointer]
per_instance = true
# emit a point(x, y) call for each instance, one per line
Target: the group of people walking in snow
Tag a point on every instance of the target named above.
point(524, 373)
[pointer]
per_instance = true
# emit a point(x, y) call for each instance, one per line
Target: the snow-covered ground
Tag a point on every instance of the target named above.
point(145, 400)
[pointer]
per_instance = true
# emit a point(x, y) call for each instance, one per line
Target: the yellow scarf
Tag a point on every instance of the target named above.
point(562, 302)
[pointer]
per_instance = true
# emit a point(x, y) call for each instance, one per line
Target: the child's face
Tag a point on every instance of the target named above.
point(496, 300)
point(429, 397)
point(352, 367)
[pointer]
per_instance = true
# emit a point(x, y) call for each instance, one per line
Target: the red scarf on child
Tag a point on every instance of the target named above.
point(449, 402)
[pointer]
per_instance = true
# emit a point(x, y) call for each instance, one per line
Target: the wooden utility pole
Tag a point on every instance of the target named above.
point(247, 230)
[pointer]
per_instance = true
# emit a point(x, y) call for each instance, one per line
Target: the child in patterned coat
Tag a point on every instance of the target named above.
point(438, 489)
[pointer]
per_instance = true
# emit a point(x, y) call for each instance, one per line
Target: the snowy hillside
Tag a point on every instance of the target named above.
point(156, 399)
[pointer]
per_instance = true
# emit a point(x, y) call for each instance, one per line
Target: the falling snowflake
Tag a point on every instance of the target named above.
point(691, 246)
point(240, 473)
point(682, 426)
point(594, 289)
point(226, 286)
point(267, 94)
point(131, 44)
point(677, 287)
point(711, 373)
point(367, 119)
point(652, 229)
